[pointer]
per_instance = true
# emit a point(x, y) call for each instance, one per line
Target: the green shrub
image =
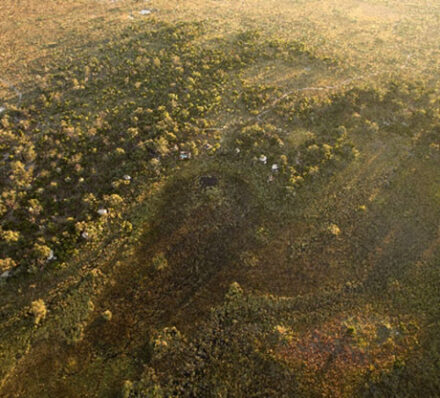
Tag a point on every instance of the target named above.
point(38, 310)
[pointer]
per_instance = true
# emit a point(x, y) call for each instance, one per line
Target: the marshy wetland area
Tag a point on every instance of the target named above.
point(219, 198)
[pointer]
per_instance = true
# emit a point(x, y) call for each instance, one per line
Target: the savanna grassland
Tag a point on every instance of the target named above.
point(219, 198)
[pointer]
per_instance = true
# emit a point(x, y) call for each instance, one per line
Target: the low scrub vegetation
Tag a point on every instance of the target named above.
point(174, 228)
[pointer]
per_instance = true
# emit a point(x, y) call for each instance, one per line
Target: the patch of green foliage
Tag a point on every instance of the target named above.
point(125, 111)
point(78, 158)
point(252, 346)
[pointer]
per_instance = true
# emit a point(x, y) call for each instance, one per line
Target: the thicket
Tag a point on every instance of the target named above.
point(72, 154)
point(252, 346)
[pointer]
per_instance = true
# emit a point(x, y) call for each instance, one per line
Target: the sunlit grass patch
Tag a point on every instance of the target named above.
point(333, 358)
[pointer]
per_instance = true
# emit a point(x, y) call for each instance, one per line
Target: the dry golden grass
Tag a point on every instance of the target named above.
point(375, 35)
point(380, 37)
point(33, 33)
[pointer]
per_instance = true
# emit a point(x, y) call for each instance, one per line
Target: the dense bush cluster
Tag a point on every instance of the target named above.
point(230, 357)
point(252, 346)
point(318, 154)
point(72, 156)
point(93, 130)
